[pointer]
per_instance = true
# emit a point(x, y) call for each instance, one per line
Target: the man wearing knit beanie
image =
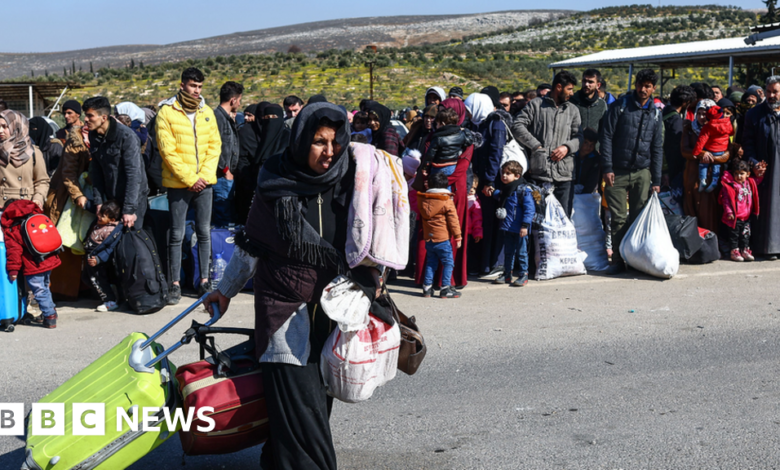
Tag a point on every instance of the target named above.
point(71, 111)
point(758, 91)
point(456, 92)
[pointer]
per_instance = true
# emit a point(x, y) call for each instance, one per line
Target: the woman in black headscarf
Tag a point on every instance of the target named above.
point(384, 136)
point(259, 140)
point(41, 133)
point(305, 192)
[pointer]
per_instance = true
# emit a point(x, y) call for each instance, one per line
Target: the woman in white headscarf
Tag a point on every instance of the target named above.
point(487, 165)
point(704, 206)
point(434, 95)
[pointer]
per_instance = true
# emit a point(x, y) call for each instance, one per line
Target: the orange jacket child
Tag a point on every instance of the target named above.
point(440, 224)
point(439, 217)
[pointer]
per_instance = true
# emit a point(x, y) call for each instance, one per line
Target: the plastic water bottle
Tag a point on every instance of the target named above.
point(217, 271)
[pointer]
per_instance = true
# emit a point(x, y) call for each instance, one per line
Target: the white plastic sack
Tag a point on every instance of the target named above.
point(346, 304)
point(513, 151)
point(647, 245)
point(354, 364)
point(556, 244)
point(591, 238)
point(669, 204)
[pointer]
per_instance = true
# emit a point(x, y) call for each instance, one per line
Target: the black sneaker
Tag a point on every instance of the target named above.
point(449, 292)
point(204, 288)
point(428, 292)
point(501, 280)
point(497, 271)
point(521, 281)
point(174, 294)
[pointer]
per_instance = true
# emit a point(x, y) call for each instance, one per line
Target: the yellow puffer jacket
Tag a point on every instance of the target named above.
point(182, 165)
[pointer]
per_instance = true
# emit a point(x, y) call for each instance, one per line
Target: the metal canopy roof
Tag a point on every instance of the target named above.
point(21, 90)
point(715, 53)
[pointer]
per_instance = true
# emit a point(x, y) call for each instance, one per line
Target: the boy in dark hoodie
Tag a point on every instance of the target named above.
point(516, 211)
point(440, 224)
point(714, 138)
point(103, 237)
point(37, 273)
point(447, 143)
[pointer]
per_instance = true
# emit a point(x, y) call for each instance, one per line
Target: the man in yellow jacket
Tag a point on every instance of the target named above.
point(189, 143)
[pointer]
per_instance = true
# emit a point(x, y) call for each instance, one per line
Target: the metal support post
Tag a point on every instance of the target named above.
point(630, 76)
point(371, 79)
point(731, 71)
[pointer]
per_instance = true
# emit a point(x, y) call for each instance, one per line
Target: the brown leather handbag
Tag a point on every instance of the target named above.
point(413, 349)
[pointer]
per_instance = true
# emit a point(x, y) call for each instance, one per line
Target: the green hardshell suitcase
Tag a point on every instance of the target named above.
point(134, 374)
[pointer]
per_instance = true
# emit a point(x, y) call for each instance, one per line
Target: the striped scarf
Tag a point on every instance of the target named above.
point(188, 102)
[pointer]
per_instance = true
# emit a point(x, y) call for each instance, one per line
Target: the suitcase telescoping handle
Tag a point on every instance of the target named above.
point(172, 323)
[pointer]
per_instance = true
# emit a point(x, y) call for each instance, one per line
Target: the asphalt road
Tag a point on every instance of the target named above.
point(588, 372)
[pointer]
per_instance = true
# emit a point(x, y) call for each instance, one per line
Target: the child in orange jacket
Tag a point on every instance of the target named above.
point(440, 224)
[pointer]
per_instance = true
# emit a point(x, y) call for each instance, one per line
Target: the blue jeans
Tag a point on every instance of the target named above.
point(435, 253)
point(223, 212)
point(447, 170)
point(515, 248)
point(39, 285)
point(179, 201)
point(704, 167)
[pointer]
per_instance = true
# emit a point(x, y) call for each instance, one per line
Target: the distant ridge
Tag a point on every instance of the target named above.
point(353, 33)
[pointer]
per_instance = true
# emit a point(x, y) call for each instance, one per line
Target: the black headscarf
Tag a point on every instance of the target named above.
point(317, 99)
point(40, 132)
point(494, 94)
point(383, 113)
point(273, 137)
point(286, 178)
point(249, 134)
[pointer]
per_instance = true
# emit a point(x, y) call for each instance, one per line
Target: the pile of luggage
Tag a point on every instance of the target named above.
point(223, 393)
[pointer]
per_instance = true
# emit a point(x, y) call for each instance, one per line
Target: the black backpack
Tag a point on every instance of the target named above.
point(140, 272)
point(684, 231)
point(153, 161)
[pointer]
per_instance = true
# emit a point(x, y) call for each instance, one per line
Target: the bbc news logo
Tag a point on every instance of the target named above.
point(89, 419)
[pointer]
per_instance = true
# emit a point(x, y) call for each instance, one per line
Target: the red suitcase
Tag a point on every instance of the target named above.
point(231, 382)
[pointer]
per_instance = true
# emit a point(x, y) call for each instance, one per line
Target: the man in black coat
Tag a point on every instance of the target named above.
point(117, 170)
point(592, 108)
point(682, 96)
point(761, 143)
point(631, 157)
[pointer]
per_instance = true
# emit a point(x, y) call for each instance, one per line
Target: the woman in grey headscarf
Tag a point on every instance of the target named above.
point(22, 166)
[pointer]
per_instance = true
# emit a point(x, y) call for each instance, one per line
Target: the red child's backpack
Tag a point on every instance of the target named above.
point(40, 236)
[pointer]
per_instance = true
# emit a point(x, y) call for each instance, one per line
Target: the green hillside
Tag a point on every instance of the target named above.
point(512, 60)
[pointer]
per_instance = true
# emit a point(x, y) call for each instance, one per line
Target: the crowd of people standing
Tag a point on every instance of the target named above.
point(576, 137)
point(289, 172)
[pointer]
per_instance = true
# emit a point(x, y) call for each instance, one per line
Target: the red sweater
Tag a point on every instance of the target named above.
point(18, 258)
point(714, 136)
point(739, 200)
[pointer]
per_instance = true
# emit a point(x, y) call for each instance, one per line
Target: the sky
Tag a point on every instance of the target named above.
point(61, 26)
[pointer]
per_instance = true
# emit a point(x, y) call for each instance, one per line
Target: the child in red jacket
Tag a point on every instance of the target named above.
point(739, 198)
point(714, 138)
point(20, 260)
